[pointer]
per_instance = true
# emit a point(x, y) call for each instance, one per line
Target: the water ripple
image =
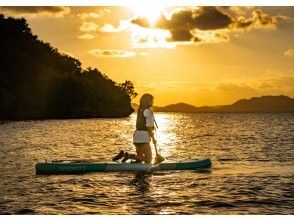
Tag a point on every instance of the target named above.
point(252, 169)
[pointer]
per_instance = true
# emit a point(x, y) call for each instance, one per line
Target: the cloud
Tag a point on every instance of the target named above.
point(277, 86)
point(285, 81)
point(110, 28)
point(274, 85)
point(181, 35)
point(86, 36)
point(231, 87)
point(84, 16)
point(289, 53)
point(237, 10)
point(149, 38)
point(211, 18)
point(88, 27)
point(259, 19)
point(265, 86)
point(141, 21)
point(94, 15)
point(211, 36)
point(197, 23)
point(56, 11)
point(233, 91)
point(112, 53)
point(184, 21)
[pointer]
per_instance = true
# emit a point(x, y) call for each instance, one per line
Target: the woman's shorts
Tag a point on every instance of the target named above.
point(140, 136)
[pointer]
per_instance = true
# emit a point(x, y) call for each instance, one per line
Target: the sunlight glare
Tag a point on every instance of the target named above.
point(164, 134)
point(150, 38)
point(150, 11)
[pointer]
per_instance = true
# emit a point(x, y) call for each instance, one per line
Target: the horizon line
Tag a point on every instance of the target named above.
point(218, 104)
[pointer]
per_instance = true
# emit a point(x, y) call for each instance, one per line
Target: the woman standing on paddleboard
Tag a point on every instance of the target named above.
point(143, 134)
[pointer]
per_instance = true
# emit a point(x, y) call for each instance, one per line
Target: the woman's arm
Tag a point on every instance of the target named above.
point(150, 124)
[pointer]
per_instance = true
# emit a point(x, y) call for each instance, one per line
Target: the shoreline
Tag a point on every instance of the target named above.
point(3, 121)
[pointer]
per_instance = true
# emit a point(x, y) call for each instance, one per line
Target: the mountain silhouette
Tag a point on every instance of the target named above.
point(255, 104)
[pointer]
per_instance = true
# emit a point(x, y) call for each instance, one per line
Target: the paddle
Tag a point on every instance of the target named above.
point(158, 158)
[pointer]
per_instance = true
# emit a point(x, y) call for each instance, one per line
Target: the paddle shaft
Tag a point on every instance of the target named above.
point(156, 151)
point(153, 140)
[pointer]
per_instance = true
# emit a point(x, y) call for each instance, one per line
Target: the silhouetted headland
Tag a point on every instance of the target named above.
point(38, 82)
point(256, 104)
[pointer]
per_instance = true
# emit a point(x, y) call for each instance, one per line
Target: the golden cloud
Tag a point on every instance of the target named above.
point(112, 53)
point(259, 19)
point(86, 36)
point(89, 26)
point(33, 11)
point(110, 28)
point(289, 53)
point(93, 15)
point(208, 24)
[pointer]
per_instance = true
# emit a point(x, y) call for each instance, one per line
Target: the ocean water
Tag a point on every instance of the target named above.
point(252, 171)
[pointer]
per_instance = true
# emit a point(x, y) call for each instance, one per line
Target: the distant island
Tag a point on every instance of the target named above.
point(38, 82)
point(255, 104)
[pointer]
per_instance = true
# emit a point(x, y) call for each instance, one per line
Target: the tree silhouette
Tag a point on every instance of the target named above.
point(128, 87)
point(36, 81)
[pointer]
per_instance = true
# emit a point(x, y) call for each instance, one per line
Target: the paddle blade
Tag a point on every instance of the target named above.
point(158, 159)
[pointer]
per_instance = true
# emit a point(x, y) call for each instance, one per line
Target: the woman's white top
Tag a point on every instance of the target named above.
point(143, 136)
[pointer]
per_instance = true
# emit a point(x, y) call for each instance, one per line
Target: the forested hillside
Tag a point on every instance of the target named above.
point(38, 82)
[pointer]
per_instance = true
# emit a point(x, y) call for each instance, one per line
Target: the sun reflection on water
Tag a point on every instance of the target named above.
point(165, 136)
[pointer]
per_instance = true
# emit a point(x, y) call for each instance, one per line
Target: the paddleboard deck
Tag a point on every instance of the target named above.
point(75, 167)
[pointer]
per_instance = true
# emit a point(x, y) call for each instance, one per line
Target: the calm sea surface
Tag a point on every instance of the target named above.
point(252, 172)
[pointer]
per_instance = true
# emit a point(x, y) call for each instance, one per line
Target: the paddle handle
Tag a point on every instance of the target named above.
point(156, 125)
point(155, 148)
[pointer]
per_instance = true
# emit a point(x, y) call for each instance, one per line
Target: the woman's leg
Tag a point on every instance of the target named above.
point(147, 152)
point(144, 152)
point(140, 153)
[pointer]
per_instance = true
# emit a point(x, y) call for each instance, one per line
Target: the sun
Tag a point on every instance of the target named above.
point(150, 11)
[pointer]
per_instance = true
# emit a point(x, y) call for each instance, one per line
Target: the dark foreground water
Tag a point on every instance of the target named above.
point(252, 173)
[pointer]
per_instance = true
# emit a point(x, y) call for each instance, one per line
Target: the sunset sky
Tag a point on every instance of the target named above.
point(197, 55)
